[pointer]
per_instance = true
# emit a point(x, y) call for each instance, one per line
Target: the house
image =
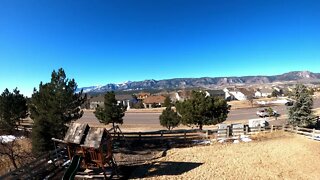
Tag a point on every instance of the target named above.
point(266, 92)
point(142, 95)
point(124, 99)
point(229, 93)
point(96, 101)
point(153, 101)
point(216, 93)
point(99, 101)
point(263, 92)
point(182, 95)
point(238, 93)
point(245, 94)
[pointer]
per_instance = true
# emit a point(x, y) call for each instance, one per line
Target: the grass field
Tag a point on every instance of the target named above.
point(270, 156)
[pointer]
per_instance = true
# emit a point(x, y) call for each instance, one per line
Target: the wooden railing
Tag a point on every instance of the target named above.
point(40, 164)
point(40, 167)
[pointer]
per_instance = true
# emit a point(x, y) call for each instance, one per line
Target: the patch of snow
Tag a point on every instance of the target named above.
point(7, 138)
point(205, 142)
point(50, 162)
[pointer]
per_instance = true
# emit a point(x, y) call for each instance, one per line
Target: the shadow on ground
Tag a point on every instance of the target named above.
point(162, 168)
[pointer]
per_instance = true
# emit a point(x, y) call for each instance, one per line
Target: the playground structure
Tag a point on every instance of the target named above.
point(88, 148)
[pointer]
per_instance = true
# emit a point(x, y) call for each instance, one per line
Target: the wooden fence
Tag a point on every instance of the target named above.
point(213, 133)
point(312, 133)
point(40, 167)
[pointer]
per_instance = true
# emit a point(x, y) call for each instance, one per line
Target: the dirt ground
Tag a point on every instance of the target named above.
point(274, 156)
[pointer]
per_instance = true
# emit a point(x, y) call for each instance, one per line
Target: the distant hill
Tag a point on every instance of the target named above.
point(204, 82)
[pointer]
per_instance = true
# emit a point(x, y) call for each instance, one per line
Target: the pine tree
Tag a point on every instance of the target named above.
point(169, 118)
point(167, 102)
point(202, 110)
point(300, 114)
point(112, 112)
point(13, 108)
point(52, 107)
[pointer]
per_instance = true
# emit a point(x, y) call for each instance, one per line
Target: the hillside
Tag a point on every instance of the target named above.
point(205, 82)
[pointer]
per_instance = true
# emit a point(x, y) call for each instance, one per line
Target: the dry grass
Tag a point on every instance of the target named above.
point(270, 156)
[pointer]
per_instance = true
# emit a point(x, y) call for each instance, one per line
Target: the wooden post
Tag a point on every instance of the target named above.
point(228, 131)
point(247, 130)
point(207, 134)
point(259, 129)
point(313, 131)
point(271, 128)
point(297, 128)
point(139, 136)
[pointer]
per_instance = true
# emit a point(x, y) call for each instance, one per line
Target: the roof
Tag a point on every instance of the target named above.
point(264, 90)
point(143, 94)
point(184, 94)
point(216, 92)
point(75, 133)
point(99, 98)
point(154, 99)
point(123, 97)
point(246, 92)
point(94, 137)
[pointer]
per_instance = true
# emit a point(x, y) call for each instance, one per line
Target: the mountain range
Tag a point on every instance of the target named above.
point(205, 82)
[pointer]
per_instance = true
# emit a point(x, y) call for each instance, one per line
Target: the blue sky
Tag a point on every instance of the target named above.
point(103, 41)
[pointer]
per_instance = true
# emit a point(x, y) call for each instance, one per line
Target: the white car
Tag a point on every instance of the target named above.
point(264, 113)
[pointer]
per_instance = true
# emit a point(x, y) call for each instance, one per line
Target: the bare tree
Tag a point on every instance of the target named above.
point(14, 152)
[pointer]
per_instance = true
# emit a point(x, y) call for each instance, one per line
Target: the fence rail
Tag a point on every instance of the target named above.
point(38, 167)
point(32, 169)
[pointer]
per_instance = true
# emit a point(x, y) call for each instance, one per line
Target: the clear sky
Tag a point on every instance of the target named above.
point(111, 41)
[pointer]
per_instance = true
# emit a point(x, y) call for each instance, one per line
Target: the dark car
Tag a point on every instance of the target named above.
point(289, 103)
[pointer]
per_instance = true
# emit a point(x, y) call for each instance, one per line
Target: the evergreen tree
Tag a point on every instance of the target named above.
point(300, 113)
point(112, 112)
point(52, 107)
point(13, 108)
point(167, 102)
point(169, 118)
point(202, 110)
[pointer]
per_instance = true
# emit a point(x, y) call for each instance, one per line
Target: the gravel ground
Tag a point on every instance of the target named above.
point(271, 156)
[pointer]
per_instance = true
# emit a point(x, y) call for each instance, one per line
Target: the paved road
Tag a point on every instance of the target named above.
point(153, 118)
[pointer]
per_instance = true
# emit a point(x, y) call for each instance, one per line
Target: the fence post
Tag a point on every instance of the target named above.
point(228, 131)
point(207, 134)
point(271, 128)
point(247, 130)
point(139, 136)
point(259, 129)
point(313, 131)
point(297, 129)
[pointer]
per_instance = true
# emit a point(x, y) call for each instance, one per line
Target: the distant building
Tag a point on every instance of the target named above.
point(238, 93)
point(98, 101)
point(142, 95)
point(264, 92)
point(153, 100)
point(216, 93)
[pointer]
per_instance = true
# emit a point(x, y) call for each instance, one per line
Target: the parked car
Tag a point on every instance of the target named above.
point(289, 103)
point(264, 113)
